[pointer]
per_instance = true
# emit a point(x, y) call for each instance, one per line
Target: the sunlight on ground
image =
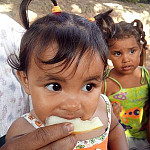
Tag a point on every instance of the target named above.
point(113, 5)
point(98, 7)
point(121, 13)
point(6, 7)
point(76, 9)
point(126, 14)
point(32, 15)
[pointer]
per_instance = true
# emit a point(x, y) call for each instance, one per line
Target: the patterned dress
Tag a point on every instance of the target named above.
point(134, 101)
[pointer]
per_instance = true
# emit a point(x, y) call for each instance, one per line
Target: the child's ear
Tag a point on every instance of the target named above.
point(24, 81)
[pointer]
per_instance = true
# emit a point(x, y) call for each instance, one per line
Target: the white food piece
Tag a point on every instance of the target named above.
point(79, 125)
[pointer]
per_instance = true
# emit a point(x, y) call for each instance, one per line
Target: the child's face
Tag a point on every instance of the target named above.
point(62, 94)
point(125, 55)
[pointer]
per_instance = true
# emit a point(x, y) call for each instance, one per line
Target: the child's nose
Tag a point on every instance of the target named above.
point(125, 58)
point(71, 103)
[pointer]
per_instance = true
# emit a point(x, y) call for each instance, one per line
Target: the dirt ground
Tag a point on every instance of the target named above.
point(87, 8)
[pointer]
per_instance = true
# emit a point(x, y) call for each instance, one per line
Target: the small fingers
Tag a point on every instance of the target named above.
point(117, 107)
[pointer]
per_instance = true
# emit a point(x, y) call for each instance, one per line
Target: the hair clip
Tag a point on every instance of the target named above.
point(56, 9)
point(92, 19)
point(141, 42)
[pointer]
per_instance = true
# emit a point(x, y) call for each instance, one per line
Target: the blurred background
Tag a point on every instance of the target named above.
point(126, 10)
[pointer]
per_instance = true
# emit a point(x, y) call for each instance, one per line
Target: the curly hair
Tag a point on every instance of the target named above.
point(135, 29)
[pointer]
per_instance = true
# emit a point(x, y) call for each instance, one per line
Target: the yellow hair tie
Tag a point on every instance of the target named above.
point(92, 19)
point(56, 9)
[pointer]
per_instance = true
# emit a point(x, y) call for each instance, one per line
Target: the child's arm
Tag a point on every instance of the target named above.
point(117, 139)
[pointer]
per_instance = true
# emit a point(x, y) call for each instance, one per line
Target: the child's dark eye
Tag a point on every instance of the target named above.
point(117, 53)
point(88, 87)
point(132, 51)
point(54, 87)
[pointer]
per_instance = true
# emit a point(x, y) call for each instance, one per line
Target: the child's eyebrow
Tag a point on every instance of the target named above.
point(133, 47)
point(50, 77)
point(96, 77)
point(116, 50)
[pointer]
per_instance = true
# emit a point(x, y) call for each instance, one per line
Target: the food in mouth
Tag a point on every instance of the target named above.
point(79, 125)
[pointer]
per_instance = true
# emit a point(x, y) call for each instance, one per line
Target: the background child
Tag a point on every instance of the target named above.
point(127, 83)
point(61, 63)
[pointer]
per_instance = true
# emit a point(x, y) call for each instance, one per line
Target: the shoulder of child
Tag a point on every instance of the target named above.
point(108, 83)
point(19, 127)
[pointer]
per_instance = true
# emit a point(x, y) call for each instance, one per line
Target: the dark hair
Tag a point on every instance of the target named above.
point(74, 35)
point(124, 29)
point(106, 24)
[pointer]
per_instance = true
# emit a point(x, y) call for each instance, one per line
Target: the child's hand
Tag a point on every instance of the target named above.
point(117, 108)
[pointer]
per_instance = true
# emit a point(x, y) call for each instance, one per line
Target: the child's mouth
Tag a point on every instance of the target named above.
point(127, 68)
